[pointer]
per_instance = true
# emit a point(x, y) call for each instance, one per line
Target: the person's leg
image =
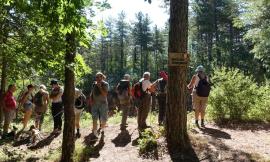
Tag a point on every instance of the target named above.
point(196, 108)
point(6, 122)
point(58, 116)
point(161, 111)
point(125, 111)
point(103, 116)
point(54, 113)
point(140, 111)
point(27, 116)
point(145, 110)
point(95, 116)
point(41, 120)
point(203, 108)
point(37, 120)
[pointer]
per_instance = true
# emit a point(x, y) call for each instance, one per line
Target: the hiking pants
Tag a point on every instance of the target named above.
point(143, 111)
point(161, 108)
point(57, 112)
point(125, 111)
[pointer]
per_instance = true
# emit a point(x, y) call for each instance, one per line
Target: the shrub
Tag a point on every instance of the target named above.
point(233, 95)
point(261, 110)
point(148, 143)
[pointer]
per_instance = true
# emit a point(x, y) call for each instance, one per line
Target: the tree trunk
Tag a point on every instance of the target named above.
point(218, 53)
point(3, 79)
point(68, 144)
point(231, 44)
point(209, 49)
point(176, 114)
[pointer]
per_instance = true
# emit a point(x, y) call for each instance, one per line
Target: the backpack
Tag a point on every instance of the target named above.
point(123, 86)
point(162, 86)
point(80, 102)
point(38, 99)
point(137, 91)
point(203, 88)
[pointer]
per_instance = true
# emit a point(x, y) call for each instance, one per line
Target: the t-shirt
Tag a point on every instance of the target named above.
point(9, 100)
point(97, 96)
point(145, 85)
point(58, 99)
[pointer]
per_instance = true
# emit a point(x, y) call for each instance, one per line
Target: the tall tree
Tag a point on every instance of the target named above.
point(176, 116)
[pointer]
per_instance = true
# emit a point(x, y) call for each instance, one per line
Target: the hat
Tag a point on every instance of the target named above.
point(164, 75)
point(54, 81)
point(42, 86)
point(127, 76)
point(199, 68)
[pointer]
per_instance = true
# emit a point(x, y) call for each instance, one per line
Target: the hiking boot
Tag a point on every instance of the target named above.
point(197, 123)
point(202, 124)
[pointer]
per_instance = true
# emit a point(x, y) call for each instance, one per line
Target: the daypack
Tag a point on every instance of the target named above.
point(38, 99)
point(162, 86)
point(123, 89)
point(137, 91)
point(203, 88)
point(80, 102)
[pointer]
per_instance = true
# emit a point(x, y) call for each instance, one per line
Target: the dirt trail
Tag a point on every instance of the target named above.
point(210, 144)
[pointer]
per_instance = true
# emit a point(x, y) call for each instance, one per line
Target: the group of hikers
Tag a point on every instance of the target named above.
point(138, 94)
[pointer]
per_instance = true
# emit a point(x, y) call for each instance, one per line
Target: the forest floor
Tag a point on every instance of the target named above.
point(230, 142)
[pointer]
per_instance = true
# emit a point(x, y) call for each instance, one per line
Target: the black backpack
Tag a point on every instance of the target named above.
point(38, 99)
point(162, 86)
point(123, 86)
point(203, 88)
point(80, 102)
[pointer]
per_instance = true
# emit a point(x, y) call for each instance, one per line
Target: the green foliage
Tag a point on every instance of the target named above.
point(147, 142)
point(235, 96)
point(257, 17)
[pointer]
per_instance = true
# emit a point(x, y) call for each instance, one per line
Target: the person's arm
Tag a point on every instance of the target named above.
point(192, 82)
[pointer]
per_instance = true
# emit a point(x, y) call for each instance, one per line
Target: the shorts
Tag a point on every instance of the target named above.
point(27, 106)
point(199, 102)
point(9, 115)
point(100, 111)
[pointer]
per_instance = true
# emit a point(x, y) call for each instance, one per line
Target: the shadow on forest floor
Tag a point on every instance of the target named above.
point(91, 150)
point(122, 139)
point(216, 133)
point(45, 142)
point(244, 125)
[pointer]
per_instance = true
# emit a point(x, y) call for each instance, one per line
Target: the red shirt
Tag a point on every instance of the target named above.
point(9, 100)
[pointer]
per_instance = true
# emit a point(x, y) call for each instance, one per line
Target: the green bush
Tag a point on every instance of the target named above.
point(261, 110)
point(235, 96)
point(147, 143)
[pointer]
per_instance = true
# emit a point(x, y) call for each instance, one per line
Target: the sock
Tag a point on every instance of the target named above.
point(78, 130)
point(202, 120)
point(196, 121)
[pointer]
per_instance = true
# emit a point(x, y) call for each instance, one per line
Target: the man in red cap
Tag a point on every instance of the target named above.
point(161, 88)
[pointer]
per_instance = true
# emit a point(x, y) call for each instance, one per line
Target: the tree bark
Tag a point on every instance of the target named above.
point(68, 144)
point(3, 78)
point(218, 53)
point(176, 115)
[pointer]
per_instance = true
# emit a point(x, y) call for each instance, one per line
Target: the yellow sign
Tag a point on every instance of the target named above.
point(178, 59)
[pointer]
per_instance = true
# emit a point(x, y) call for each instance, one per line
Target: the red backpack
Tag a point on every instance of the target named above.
point(137, 91)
